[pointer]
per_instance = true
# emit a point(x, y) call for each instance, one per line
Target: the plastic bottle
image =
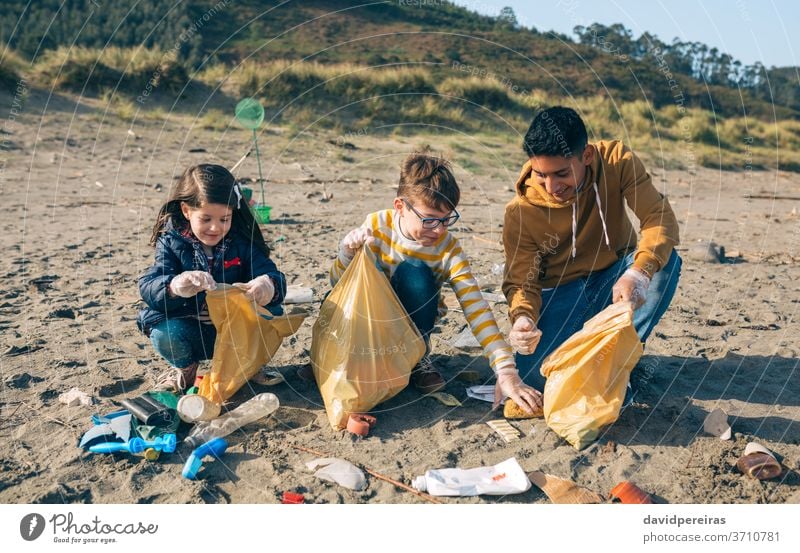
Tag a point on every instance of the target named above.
point(215, 448)
point(251, 410)
point(502, 479)
point(196, 408)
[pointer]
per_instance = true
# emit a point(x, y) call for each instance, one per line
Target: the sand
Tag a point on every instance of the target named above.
point(80, 196)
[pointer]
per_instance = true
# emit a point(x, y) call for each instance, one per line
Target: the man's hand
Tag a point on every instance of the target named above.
point(354, 240)
point(261, 289)
point(509, 384)
point(524, 336)
point(632, 286)
point(189, 283)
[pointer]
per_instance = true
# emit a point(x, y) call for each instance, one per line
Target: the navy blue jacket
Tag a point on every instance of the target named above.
point(237, 261)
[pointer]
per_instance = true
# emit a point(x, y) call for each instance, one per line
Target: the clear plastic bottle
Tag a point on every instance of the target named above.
point(251, 410)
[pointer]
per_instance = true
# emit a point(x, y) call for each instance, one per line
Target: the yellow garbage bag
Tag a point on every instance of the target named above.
point(587, 375)
point(247, 337)
point(364, 344)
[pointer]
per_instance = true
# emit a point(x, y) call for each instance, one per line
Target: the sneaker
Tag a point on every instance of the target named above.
point(176, 380)
point(426, 378)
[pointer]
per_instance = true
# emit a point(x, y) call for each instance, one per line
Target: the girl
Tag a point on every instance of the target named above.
point(204, 234)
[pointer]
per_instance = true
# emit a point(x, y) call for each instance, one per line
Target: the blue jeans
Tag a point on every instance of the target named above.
point(567, 307)
point(183, 341)
point(417, 289)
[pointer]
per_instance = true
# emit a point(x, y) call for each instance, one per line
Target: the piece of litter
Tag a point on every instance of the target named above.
point(483, 392)
point(116, 429)
point(504, 428)
point(716, 424)
point(339, 471)
point(75, 397)
point(98, 184)
point(299, 294)
point(562, 491)
point(445, 399)
point(121, 427)
point(97, 434)
point(465, 340)
point(268, 378)
point(759, 462)
point(502, 479)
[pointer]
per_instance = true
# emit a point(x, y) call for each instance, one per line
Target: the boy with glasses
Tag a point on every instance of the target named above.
point(414, 248)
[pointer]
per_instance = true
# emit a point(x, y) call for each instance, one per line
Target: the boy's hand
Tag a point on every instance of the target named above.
point(509, 384)
point(524, 336)
point(261, 289)
point(632, 286)
point(189, 283)
point(354, 240)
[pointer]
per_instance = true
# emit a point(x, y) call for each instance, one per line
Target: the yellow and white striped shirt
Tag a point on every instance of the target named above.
point(449, 264)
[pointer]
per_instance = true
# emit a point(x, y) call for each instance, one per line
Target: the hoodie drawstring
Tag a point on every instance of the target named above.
point(574, 230)
point(575, 221)
point(602, 218)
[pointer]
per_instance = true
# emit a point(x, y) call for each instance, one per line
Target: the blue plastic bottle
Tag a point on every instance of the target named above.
point(215, 447)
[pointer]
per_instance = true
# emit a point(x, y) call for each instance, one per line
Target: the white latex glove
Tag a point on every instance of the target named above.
point(189, 283)
point(509, 384)
point(354, 240)
point(632, 286)
point(261, 289)
point(524, 336)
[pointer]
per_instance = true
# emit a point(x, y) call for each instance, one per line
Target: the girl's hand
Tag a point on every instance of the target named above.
point(261, 289)
point(509, 384)
point(189, 283)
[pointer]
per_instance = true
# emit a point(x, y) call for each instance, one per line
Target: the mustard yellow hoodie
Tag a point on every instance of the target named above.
point(550, 243)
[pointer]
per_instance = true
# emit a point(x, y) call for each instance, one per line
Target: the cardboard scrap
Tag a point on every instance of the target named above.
point(504, 428)
point(562, 491)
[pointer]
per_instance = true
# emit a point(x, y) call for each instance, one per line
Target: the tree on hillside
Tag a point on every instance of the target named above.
point(507, 18)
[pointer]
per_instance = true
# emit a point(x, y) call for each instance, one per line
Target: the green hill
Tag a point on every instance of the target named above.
point(403, 67)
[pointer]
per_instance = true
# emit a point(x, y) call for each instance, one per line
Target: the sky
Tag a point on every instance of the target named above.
point(748, 30)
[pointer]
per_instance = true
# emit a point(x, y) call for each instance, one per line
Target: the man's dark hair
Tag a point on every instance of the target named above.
point(556, 131)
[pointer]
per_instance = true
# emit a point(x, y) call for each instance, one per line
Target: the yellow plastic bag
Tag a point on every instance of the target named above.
point(587, 375)
point(247, 337)
point(364, 344)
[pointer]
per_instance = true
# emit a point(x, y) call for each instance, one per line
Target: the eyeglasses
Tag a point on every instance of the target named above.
point(433, 222)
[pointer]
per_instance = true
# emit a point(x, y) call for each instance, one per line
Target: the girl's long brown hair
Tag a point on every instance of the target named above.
point(209, 184)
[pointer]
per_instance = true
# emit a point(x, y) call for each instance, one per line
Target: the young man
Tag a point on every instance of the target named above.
point(414, 248)
point(570, 248)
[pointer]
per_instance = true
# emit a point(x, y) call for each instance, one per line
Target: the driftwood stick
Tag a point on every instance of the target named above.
point(377, 475)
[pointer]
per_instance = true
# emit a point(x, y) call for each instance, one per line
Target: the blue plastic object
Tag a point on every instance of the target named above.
point(105, 419)
point(165, 443)
point(215, 447)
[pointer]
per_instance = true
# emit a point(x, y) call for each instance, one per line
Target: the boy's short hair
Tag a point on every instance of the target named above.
point(556, 131)
point(430, 180)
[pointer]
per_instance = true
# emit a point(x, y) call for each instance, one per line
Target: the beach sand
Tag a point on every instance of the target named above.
point(80, 197)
